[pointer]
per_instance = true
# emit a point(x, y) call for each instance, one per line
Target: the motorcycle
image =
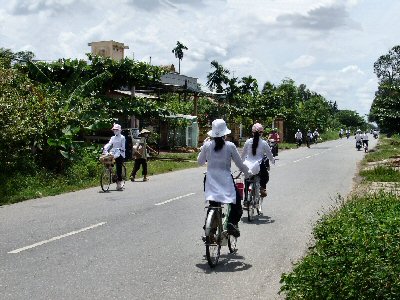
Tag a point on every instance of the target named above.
point(358, 145)
point(365, 148)
point(348, 135)
point(274, 147)
point(375, 135)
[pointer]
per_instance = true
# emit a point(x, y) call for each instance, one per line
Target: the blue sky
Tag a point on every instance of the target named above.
point(328, 45)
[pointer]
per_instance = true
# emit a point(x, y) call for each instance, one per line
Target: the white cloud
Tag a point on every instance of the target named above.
point(302, 61)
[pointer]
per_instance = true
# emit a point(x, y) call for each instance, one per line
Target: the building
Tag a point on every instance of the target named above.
point(111, 49)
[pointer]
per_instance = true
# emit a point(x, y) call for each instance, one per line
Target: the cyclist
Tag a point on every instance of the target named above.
point(299, 138)
point(117, 142)
point(255, 149)
point(219, 184)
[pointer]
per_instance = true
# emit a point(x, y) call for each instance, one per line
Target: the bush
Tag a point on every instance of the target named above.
point(356, 255)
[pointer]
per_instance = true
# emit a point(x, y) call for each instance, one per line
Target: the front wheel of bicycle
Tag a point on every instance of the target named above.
point(251, 208)
point(105, 179)
point(213, 246)
point(232, 244)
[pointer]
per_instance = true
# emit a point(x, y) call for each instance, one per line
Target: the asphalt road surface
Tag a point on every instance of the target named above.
point(145, 242)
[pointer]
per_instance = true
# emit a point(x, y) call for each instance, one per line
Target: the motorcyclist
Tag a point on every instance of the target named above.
point(375, 133)
point(309, 138)
point(358, 138)
point(275, 139)
point(316, 136)
point(341, 132)
point(348, 133)
point(299, 138)
point(254, 151)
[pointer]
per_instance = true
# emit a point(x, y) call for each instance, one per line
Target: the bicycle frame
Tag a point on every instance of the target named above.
point(254, 199)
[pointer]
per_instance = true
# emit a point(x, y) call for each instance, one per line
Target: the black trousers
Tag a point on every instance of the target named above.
point(140, 162)
point(118, 162)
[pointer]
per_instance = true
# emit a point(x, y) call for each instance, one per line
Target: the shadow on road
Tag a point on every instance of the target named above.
point(258, 220)
point(231, 262)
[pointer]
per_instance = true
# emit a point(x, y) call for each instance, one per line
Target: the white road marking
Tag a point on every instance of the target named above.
point(56, 238)
point(295, 161)
point(176, 198)
point(309, 156)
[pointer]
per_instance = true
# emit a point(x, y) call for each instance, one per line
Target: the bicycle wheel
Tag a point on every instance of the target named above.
point(232, 244)
point(105, 179)
point(213, 233)
point(123, 174)
point(251, 208)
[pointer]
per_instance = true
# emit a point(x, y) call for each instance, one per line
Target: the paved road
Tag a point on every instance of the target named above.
point(144, 242)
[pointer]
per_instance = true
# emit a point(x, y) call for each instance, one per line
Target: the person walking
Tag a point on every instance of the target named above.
point(140, 154)
point(298, 137)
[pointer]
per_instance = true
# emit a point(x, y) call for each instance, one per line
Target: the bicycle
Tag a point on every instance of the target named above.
point(254, 200)
point(216, 234)
point(109, 174)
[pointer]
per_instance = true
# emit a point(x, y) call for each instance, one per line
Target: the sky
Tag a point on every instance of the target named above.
point(328, 45)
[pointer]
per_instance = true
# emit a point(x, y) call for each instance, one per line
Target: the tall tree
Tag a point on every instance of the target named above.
point(216, 79)
point(249, 85)
point(178, 51)
point(385, 109)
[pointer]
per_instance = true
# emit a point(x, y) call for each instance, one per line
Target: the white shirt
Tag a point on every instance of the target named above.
point(118, 145)
point(253, 161)
point(358, 137)
point(365, 137)
point(298, 135)
point(219, 185)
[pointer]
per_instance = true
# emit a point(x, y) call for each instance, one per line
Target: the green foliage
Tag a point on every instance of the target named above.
point(386, 148)
point(355, 255)
point(351, 119)
point(385, 109)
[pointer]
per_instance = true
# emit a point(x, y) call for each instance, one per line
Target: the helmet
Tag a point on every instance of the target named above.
point(257, 127)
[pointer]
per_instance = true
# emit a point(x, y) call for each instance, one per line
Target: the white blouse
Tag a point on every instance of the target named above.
point(118, 145)
point(253, 161)
point(219, 185)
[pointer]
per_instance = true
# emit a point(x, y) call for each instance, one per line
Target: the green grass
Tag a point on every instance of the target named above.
point(381, 174)
point(387, 148)
point(83, 174)
point(356, 254)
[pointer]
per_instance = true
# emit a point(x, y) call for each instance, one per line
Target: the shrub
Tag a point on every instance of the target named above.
point(356, 255)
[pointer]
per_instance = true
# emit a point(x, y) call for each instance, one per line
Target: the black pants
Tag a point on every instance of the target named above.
point(365, 142)
point(140, 162)
point(119, 162)
point(264, 178)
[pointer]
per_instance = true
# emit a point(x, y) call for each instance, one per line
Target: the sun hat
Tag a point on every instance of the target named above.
point(116, 127)
point(257, 127)
point(144, 131)
point(219, 128)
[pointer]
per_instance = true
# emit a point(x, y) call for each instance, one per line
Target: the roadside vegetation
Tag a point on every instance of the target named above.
point(355, 255)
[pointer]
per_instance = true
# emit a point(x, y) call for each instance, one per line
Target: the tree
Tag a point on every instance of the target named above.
point(216, 79)
point(385, 109)
point(178, 50)
point(249, 85)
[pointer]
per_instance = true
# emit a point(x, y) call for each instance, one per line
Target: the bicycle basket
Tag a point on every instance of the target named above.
point(107, 160)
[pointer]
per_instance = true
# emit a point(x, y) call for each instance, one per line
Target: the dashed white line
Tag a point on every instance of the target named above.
point(56, 238)
point(173, 199)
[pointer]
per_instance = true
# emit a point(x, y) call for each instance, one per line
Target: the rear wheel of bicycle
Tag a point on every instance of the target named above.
point(232, 244)
point(213, 247)
point(105, 180)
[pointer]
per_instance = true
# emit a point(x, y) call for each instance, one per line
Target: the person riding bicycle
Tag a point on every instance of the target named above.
point(117, 143)
point(315, 136)
point(365, 139)
point(219, 184)
point(274, 136)
point(255, 150)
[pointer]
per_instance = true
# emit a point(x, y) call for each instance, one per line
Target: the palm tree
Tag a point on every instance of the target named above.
point(178, 50)
point(218, 77)
point(249, 85)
